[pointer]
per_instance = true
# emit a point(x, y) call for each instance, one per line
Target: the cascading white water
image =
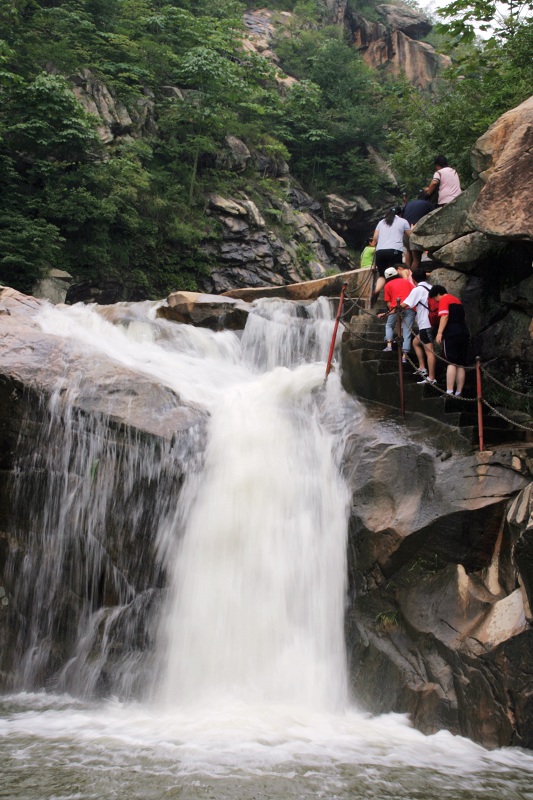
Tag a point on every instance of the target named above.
point(248, 682)
point(258, 589)
point(256, 550)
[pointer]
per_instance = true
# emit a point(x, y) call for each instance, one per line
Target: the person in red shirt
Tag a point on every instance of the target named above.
point(397, 287)
point(454, 337)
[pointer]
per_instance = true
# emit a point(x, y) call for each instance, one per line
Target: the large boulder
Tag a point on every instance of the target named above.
point(467, 251)
point(205, 311)
point(53, 286)
point(446, 224)
point(32, 358)
point(435, 617)
point(503, 156)
point(401, 17)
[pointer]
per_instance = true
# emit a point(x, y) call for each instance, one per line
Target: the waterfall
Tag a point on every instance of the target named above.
point(251, 546)
point(179, 594)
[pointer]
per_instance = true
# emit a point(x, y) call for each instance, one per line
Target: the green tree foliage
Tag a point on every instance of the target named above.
point(127, 211)
point(488, 77)
point(333, 115)
point(502, 18)
point(133, 210)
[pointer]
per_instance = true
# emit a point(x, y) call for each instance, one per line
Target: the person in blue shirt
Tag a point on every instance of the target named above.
point(413, 211)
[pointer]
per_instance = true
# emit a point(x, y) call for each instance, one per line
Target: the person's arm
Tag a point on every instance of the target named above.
point(375, 238)
point(431, 188)
point(442, 325)
point(411, 300)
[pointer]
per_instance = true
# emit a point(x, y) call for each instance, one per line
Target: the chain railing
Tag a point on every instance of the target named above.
point(479, 400)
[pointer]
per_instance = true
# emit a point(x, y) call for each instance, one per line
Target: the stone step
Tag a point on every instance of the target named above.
point(493, 436)
point(383, 387)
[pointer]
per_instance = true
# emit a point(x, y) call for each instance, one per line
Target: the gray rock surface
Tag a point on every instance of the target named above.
point(436, 626)
point(400, 17)
point(54, 286)
point(205, 311)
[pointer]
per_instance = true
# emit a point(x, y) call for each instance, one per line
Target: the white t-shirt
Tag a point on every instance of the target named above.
point(390, 237)
point(418, 299)
point(449, 187)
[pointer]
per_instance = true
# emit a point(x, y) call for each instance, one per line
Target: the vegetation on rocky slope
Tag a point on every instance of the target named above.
point(132, 209)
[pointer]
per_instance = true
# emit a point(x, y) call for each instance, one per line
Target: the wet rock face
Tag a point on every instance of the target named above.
point(112, 441)
point(440, 582)
point(33, 358)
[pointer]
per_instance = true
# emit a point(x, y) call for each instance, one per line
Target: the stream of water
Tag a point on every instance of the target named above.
point(244, 692)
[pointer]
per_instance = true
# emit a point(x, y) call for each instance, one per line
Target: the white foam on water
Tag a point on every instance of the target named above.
point(224, 736)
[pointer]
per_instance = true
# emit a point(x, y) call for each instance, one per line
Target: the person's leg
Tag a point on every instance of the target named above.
point(416, 259)
point(432, 361)
point(451, 372)
point(390, 327)
point(461, 376)
point(426, 339)
point(408, 319)
point(419, 350)
point(380, 283)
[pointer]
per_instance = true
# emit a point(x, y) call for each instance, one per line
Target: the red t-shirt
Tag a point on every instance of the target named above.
point(398, 287)
point(445, 302)
point(452, 308)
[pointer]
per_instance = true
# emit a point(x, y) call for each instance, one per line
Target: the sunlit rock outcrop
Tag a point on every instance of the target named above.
point(394, 43)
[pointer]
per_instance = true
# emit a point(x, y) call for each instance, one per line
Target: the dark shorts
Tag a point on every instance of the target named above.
point(426, 335)
point(387, 258)
point(455, 349)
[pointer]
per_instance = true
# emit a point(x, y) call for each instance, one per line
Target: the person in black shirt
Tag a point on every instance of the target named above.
point(454, 337)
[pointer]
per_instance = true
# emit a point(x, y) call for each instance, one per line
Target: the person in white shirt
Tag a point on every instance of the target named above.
point(388, 241)
point(423, 343)
point(446, 180)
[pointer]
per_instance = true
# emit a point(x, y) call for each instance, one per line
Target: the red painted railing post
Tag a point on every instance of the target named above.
point(335, 329)
point(400, 364)
point(479, 404)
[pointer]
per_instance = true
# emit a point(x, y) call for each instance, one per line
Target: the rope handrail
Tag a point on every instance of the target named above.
point(503, 386)
point(512, 422)
point(441, 358)
point(442, 391)
point(437, 355)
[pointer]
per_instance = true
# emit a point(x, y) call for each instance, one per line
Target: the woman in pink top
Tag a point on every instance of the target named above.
point(446, 180)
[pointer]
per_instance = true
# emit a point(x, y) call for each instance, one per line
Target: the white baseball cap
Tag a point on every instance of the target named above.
point(391, 272)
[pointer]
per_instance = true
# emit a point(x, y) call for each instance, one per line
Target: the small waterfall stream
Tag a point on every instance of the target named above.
point(185, 595)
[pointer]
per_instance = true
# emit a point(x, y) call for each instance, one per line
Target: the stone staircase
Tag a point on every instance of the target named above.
point(372, 375)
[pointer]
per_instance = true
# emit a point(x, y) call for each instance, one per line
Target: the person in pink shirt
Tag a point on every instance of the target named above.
point(446, 180)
